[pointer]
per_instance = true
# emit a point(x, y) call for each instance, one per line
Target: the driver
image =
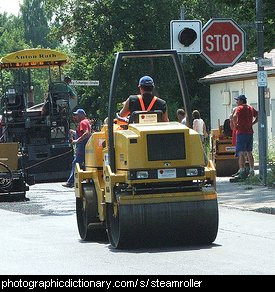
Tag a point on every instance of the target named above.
point(145, 101)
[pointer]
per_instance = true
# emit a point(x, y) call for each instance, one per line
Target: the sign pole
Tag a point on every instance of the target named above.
point(262, 123)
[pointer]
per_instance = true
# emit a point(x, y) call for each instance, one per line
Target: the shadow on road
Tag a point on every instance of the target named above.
point(164, 248)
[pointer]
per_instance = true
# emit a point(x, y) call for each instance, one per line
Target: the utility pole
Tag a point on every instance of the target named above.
point(262, 122)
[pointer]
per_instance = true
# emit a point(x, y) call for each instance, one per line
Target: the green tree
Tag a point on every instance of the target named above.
point(11, 40)
point(97, 29)
point(11, 34)
point(36, 23)
point(101, 28)
point(244, 12)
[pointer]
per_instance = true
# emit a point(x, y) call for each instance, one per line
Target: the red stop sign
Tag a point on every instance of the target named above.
point(223, 42)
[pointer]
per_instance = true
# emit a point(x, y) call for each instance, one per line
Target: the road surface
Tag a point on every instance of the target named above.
point(40, 236)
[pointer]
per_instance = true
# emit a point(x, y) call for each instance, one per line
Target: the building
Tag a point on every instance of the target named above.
point(239, 79)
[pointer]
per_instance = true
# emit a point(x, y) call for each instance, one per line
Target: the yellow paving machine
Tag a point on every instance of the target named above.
point(148, 182)
point(43, 137)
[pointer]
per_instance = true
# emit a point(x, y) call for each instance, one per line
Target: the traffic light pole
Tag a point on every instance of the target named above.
point(262, 122)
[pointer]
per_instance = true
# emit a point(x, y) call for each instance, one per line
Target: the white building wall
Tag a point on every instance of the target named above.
point(217, 110)
point(222, 101)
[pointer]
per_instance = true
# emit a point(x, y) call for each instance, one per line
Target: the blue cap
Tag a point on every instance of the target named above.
point(146, 81)
point(240, 97)
point(80, 111)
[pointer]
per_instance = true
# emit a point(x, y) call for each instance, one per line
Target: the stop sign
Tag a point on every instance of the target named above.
point(223, 42)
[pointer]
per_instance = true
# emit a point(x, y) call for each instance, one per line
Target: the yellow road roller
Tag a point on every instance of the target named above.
point(147, 182)
point(14, 181)
point(223, 151)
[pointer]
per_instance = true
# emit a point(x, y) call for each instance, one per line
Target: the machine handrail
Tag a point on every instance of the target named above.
point(141, 54)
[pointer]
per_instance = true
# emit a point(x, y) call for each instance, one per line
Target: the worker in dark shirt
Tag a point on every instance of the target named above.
point(145, 101)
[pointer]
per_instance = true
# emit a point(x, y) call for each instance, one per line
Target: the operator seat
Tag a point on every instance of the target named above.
point(59, 96)
point(15, 101)
point(227, 131)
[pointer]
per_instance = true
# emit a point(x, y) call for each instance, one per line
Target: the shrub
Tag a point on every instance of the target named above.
point(270, 163)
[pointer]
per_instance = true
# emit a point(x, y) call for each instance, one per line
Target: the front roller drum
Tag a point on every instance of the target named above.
point(162, 223)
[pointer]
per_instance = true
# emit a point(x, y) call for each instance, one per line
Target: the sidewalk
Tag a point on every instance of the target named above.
point(246, 197)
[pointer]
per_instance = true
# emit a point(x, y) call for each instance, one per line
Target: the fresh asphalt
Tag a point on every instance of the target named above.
point(40, 236)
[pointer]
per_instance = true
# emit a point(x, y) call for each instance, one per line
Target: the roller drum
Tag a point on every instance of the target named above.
point(87, 213)
point(192, 222)
point(226, 167)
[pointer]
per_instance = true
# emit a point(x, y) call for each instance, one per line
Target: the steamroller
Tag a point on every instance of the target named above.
point(147, 182)
point(223, 151)
point(14, 182)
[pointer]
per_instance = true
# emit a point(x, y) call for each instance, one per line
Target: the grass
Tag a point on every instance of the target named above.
point(256, 180)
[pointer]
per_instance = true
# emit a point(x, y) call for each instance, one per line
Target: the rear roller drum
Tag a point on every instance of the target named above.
point(86, 212)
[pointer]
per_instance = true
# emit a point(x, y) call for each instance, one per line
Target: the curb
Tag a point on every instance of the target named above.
point(264, 210)
point(267, 210)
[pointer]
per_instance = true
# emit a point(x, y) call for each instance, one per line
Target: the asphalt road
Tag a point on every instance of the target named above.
point(40, 236)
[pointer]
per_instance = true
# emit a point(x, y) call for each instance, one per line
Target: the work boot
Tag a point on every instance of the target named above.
point(251, 173)
point(235, 174)
point(241, 175)
point(68, 185)
point(246, 171)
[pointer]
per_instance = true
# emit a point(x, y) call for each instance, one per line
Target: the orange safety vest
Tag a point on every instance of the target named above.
point(150, 105)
